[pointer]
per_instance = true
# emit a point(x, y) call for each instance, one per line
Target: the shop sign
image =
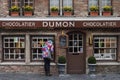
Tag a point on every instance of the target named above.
point(58, 24)
point(18, 24)
point(99, 24)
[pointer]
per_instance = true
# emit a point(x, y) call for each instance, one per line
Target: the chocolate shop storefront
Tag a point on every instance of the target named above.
point(75, 38)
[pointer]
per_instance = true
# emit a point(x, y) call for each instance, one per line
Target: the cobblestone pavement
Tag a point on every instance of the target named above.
point(23, 76)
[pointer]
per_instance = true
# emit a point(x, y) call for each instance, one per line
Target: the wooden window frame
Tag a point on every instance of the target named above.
point(16, 50)
point(22, 3)
point(77, 44)
point(60, 6)
point(67, 5)
point(102, 55)
point(100, 7)
point(37, 47)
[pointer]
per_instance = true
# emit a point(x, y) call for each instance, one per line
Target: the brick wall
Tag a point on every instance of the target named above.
point(80, 8)
point(107, 69)
point(42, 7)
point(116, 7)
point(4, 8)
point(27, 69)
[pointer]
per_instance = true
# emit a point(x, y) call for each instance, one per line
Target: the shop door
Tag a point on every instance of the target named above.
point(76, 54)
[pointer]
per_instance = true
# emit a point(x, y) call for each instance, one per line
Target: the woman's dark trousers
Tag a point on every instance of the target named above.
point(47, 66)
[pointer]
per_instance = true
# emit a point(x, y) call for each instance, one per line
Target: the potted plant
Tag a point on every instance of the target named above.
point(54, 11)
point(14, 11)
point(28, 10)
point(91, 63)
point(94, 11)
point(61, 64)
point(107, 10)
point(67, 10)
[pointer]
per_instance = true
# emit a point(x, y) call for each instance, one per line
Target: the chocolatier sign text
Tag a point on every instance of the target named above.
point(59, 24)
point(99, 24)
point(18, 24)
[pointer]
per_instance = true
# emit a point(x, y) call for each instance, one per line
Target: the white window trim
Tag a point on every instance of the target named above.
point(106, 54)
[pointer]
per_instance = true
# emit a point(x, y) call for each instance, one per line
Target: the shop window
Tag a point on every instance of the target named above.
point(105, 48)
point(75, 43)
point(37, 42)
point(59, 7)
point(20, 7)
point(100, 7)
point(14, 48)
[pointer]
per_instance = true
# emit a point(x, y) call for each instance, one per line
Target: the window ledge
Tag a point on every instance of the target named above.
point(58, 18)
point(12, 63)
point(23, 63)
point(108, 63)
point(40, 63)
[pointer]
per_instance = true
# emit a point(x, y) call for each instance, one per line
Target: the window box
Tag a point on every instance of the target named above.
point(28, 13)
point(67, 11)
point(54, 11)
point(94, 11)
point(106, 13)
point(107, 10)
point(28, 10)
point(14, 11)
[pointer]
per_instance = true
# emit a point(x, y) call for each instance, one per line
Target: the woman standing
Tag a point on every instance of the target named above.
point(47, 51)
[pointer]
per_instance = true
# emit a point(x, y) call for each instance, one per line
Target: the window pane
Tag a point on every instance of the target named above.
point(80, 37)
point(75, 36)
point(54, 3)
point(93, 3)
point(96, 44)
point(6, 50)
point(70, 37)
point(34, 50)
point(106, 2)
point(80, 43)
point(6, 45)
point(107, 50)
point(113, 50)
point(96, 50)
point(96, 40)
point(75, 49)
point(70, 43)
point(67, 3)
point(70, 49)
